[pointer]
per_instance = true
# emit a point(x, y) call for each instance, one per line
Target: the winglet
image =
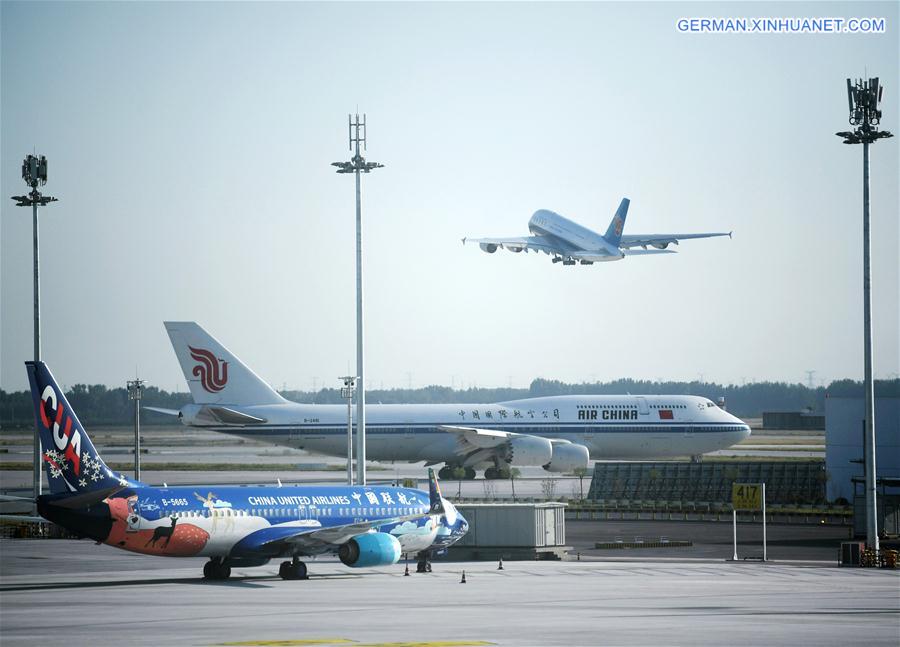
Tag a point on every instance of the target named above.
point(436, 502)
point(729, 233)
point(464, 240)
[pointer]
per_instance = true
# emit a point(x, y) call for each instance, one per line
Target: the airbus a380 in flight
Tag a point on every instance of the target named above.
point(570, 243)
point(558, 433)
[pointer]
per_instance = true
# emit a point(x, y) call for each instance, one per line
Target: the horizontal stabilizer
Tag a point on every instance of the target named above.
point(10, 498)
point(20, 518)
point(168, 412)
point(227, 416)
point(85, 499)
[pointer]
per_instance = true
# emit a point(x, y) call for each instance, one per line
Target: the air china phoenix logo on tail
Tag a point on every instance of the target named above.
point(618, 226)
point(208, 370)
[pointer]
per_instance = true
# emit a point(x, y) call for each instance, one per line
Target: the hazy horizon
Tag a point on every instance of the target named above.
point(190, 145)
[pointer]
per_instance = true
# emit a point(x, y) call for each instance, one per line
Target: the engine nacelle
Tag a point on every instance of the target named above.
point(370, 549)
point(660, 245)
point(568, 457)
point(528, 451)
point(490, 248)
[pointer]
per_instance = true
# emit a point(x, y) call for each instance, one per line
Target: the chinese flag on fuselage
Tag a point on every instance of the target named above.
point(665, 414)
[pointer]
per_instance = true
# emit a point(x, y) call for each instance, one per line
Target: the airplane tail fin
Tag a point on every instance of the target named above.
point(69, 457)
point(614, 231)
point(215, 375)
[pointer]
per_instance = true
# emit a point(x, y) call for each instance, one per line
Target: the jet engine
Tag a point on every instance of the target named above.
point(660, 245)
point(567, 457)
point(370, 549)
point(528, 450)
point(490, 248)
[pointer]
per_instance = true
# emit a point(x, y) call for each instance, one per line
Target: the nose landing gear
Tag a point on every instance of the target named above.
point(423, 564)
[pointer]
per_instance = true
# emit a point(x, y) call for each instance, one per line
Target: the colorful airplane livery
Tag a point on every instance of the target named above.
point(236, 526)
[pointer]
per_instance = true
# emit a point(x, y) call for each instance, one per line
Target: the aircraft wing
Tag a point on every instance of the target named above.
point(474, 438)
point(310, 539)
point(526, 243)
point(660, 241)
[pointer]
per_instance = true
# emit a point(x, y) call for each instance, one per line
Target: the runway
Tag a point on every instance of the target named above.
point(82, 594)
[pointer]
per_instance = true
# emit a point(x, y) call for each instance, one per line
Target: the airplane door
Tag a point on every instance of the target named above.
point(643, 409)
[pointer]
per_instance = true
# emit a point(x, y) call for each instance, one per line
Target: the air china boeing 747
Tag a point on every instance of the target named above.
point(570, 243)
point(558, 433)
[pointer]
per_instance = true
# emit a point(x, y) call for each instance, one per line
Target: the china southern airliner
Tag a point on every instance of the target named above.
point(560, 433)
point(239, 526)
point(570, 243)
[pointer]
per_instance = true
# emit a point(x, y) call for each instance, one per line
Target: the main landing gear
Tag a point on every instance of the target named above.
point(446, 473)
point(216, 569)
point(493, 473)
point(293, 570)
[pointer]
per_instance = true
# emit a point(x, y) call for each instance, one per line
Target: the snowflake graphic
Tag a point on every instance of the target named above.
point(82, 483)
point(55, 473)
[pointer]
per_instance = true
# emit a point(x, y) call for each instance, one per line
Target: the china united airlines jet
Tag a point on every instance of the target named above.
point(559, 433)
point(570, 243)
point(233, 526)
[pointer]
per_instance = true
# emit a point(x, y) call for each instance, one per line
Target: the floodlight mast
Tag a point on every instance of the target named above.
point(347, 392)
point(357, 165)
point(864, 104)
point(135, 392)
point(34, 172)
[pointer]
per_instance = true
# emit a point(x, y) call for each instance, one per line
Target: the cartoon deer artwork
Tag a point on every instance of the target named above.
point(162, 531)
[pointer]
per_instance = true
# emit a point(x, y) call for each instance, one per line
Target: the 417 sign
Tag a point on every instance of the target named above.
point(746, 496)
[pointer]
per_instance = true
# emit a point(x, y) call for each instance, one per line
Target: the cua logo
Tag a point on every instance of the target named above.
point(64, 437)
point(208, 370)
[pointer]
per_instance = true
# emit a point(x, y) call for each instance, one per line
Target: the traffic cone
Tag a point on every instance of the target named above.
point(500, 565)
point(463, 580)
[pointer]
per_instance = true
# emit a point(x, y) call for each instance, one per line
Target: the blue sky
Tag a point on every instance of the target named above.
point(190, 145)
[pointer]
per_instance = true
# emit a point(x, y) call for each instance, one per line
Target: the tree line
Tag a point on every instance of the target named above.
point(97, 404)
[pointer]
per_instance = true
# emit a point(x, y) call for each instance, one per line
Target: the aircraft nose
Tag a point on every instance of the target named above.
point(463, 525)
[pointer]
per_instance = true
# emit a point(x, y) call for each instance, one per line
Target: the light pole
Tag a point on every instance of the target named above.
point(357, 165)
point(135, 390)
point(34, 172)
point(347, 392)
point(864, 101)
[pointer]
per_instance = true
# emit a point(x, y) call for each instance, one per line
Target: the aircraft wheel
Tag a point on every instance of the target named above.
point(298, 570)
point(470, 473)
point(216, 570)
point(445, 473)
point(292, 571)
point(490, 474)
